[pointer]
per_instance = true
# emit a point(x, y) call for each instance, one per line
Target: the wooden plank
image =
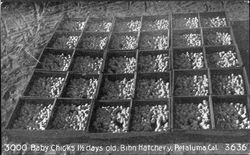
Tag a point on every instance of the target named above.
point(61, 1)
point(64, 136)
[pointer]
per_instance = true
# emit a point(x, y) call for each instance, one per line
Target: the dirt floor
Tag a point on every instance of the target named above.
point(25, 29)
point(241, 33)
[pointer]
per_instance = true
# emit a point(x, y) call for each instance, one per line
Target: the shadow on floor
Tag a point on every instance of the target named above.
point(241, 33)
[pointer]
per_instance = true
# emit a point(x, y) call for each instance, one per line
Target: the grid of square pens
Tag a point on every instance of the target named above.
point(140, 74)
point(210, 87)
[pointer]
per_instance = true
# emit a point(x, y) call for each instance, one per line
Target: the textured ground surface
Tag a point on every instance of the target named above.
point(241, 33)
point(26, 28)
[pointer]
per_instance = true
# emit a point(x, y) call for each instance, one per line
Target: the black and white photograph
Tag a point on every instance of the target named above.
point(109, 77)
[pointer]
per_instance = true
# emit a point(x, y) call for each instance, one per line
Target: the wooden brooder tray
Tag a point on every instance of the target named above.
point(173, 135)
